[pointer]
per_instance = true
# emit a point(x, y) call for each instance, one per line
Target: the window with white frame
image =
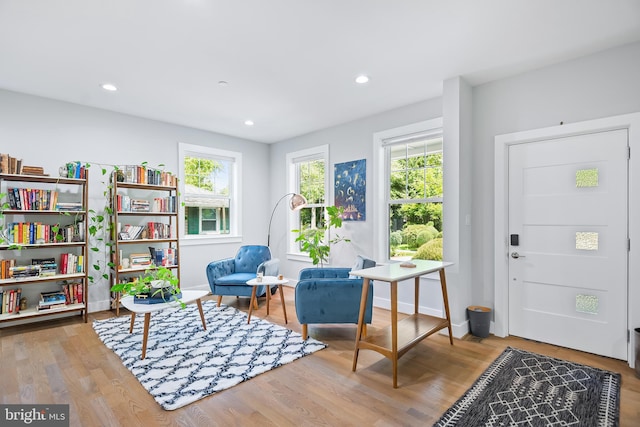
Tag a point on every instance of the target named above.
point(308, 176)
point(209, 191)
point(412, 182)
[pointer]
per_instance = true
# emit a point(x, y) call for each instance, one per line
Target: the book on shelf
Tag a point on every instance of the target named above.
point(23, 271)
point(73, 293)
point(142, 174)
point(139, 260)
point(48, 266)
point(10, 301)
point(71, 263)
point(5, 266)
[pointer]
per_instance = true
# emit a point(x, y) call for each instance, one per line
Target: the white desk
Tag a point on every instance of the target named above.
point(409, 331)
point(267, 281)
point(147, 309)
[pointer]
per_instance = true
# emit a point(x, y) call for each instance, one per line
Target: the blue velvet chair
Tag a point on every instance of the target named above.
point(331, 295)
point(229, 276)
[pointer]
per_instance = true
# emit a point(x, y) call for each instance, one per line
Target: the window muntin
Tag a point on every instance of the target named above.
point(209, 191)
point(414, 194)
point(308, 176)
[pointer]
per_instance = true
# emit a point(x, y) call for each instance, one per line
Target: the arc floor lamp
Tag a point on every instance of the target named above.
point(296, 203)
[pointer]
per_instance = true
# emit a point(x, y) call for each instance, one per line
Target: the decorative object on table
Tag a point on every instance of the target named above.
point(157, 285)
point(229, 276)
point(331, 295)
point(296, 203)
point(184, 363)
point(351, 188)
point(313, 240)
point(530, 389)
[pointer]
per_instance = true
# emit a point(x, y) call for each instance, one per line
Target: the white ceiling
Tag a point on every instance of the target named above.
point(290, 64)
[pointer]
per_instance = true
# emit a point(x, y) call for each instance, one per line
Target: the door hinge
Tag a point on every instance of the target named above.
point(628, 152)
point(628, 335)
point(629, 245)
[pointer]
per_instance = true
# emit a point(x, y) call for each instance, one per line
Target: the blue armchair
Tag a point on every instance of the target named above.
point(229, 276)
point(331, 295)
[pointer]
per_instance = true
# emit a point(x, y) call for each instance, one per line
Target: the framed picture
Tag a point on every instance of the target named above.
point(350, 189)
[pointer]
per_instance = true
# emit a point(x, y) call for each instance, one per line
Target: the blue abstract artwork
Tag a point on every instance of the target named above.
point(350, 189)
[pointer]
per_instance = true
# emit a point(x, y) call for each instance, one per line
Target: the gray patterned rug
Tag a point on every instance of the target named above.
point(185, 363)
point(527, 389)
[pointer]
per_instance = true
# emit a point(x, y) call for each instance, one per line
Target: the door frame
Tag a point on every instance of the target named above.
point(631, 122)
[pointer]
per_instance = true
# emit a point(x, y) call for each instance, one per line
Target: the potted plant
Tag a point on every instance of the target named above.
point(312, 240)
point(157, 284)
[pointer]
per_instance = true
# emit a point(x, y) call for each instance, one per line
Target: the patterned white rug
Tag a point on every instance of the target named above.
point(185, 363)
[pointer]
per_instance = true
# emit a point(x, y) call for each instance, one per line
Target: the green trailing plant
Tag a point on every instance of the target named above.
point(156, 281)
point(314, 240)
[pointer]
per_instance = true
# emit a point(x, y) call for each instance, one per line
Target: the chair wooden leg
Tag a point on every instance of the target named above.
point(219, 300)
point(364, 330)
point(304, 331)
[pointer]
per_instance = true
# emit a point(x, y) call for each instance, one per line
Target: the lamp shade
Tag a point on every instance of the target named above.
point(297, 202)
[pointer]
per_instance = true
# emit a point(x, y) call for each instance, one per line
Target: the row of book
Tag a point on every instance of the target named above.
point(10, 300)
point(33, 199)
point(13, 165)
point(153, 230)
point(42, 267)
point(125, 203)
point(142, 174)
point(37, 233)
point(38, 267)
point(75, 170)
point(71, 293)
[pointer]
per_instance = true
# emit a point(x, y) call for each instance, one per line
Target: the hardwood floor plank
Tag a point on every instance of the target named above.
point(65, 362)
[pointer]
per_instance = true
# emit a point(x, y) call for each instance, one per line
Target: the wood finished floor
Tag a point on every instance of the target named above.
point(65, 362)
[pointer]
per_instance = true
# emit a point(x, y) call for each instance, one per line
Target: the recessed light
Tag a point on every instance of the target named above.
point(109, 87)
point(362, 79)
point(248, 122)
point(223, 83)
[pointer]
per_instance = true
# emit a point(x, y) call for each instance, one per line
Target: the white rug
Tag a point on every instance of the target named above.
point(185, 363)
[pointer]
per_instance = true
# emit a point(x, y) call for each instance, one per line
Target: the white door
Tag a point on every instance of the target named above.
point(568, 263)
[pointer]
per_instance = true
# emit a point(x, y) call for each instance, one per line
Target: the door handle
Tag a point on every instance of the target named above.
point(516, 255)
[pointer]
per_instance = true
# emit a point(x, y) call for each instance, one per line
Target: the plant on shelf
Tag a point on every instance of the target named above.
point(313, 240)
point(155, 282)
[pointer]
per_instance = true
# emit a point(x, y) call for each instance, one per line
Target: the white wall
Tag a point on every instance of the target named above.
point(350, 141)
point(601, 85)
point(49, 133)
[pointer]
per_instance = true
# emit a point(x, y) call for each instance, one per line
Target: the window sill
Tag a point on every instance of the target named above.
point(208, 240)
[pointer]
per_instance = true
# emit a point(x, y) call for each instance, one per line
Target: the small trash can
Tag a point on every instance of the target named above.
point(479, 320)
point(637, 346)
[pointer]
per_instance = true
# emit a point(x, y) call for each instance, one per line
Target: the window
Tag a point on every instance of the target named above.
point(308, 176)
point(209, 189)
point(411, 179)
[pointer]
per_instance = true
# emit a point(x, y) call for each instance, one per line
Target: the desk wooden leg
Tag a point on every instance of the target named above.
point(416, 296)
point(204, 324)
point(363, 309)
point(445, 298)
point(147, 317)
point(284, 308)
point(133, 319)
point(394, 332)
point(253, 298)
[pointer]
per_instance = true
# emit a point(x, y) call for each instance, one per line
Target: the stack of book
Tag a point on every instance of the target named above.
point(51, 300)
point(22, 271)
point(48, 266)
point(139, 205)
point(139, 260)
point(69, 206)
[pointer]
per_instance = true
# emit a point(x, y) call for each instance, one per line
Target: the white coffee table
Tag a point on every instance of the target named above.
point(147, 309)
point(267, 281)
